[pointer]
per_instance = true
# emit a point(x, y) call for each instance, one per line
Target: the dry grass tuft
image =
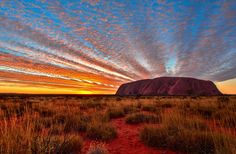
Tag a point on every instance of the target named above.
point(188, 135)
point(97, 148)
point(137, 118)
point(101, 131)
point(20, 136)
point(117, 112)
point(52, 124)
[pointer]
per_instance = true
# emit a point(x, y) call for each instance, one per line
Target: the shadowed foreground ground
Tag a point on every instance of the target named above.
point(117, 125)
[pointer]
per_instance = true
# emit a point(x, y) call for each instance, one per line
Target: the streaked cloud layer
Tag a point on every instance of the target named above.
point(93, 46)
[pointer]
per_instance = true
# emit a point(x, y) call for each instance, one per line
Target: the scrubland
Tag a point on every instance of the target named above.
point(95, 124)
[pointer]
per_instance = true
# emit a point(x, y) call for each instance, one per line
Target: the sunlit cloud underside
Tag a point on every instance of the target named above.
point(93, 46)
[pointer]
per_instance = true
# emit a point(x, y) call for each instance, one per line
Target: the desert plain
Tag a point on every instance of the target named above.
point(117, 125)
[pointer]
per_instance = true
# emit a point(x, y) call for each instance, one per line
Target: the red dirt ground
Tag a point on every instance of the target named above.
point(128, 141)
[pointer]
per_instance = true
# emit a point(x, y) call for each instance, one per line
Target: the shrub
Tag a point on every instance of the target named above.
point(57, 144)
point(186, 134)
point(101, 131)
point(187, 141)
point(166, 105)
point(99, 117)
point(142, 118)
point(72, 144)
point(11, 110)
point(57, 129)
point(91, 104)
point(149, 107)
point(186, 105)
point(226, 118)
point(41, 123)
point(223, 100)
point(229, 121)
point(61, 118)
point(21, 137)
point(192, 142)
point(138, 105)
point(176, 122)
point(97, 148)
point(76, 123)
point(45, 112)
point(3, 106)
point(154, 137)
point(205, 111)
point(118, 99)
point(115, 113)
point(130, 109)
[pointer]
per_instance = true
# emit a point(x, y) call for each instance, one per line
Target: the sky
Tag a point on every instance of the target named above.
point(94, 46)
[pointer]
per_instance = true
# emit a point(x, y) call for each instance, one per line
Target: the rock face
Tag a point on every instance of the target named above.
point(169, 86)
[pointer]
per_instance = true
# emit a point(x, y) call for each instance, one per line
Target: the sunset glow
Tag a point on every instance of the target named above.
point(94, 46)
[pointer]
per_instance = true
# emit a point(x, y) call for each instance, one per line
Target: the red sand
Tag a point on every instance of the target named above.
point(128, 141)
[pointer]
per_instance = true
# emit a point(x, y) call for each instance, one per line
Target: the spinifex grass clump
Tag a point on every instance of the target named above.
point(76, 123)
point(18, 135)
point(226, 118)
point(15, 109)
point(92, 104)
point(167, 105)
point(97, 148)
point(101, 131)
point(223, 101)
point(117, 112)
point(187, 141)
point(205, 111)
point(188, 135)
point(142, 118)
point(46, 124)
point(221, 110)
point(149, 107)
point(57, 144)
point(130, 108)
point(176, 121)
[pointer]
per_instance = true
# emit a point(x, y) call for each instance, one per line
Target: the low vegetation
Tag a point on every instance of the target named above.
point(188, 141)
point(117, 112)
point(101, 131)
point(21, 136)
point(149, 107)
point(188, 135)
point(97, 148)
point(137, 118)
point(62, 124)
